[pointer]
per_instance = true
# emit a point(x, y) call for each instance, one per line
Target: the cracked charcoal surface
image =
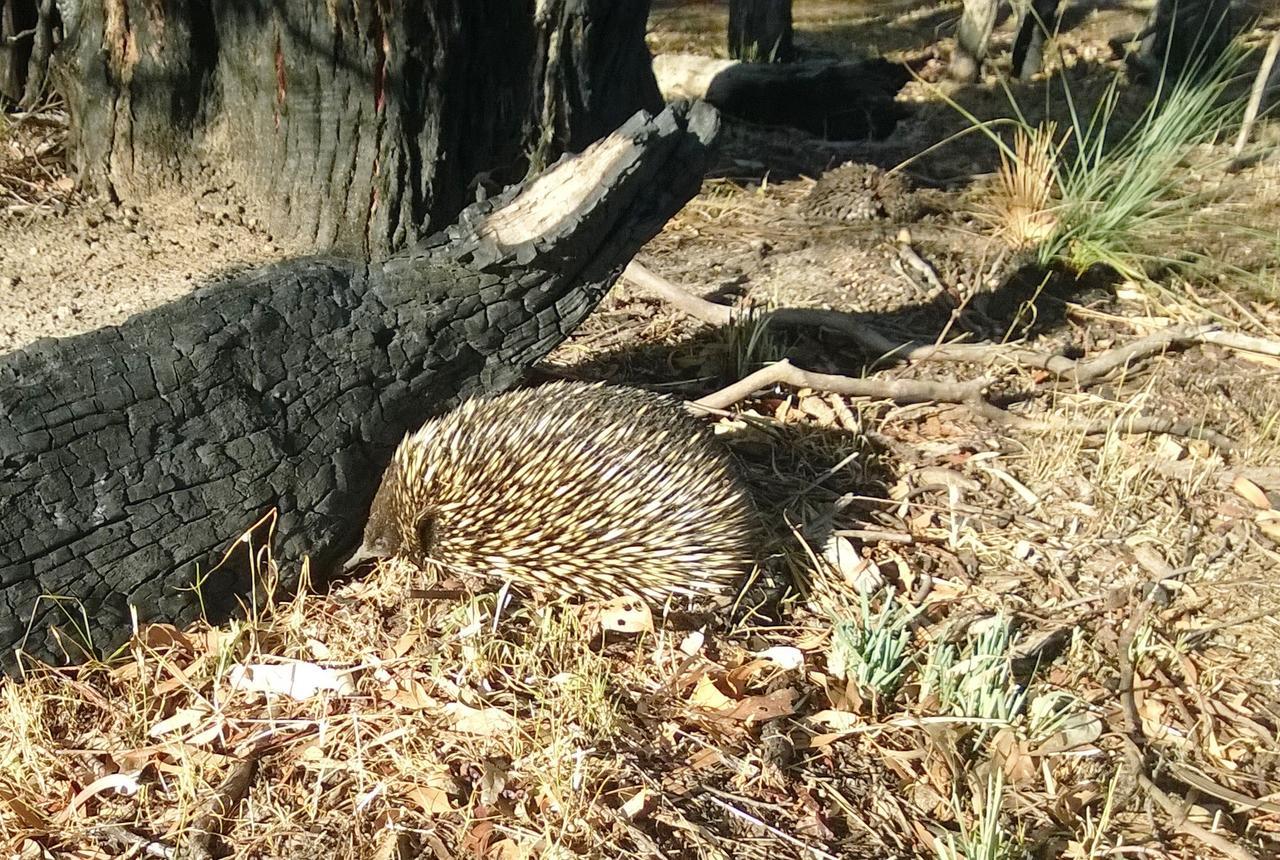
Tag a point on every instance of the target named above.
point(132, 457)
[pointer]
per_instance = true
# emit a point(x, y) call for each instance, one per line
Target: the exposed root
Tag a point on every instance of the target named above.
point(970, 394)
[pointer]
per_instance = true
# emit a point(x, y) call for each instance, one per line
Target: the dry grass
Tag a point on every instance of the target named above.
point(536, 734)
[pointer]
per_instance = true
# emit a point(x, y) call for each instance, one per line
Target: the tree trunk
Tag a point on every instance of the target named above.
point(1185, 35)
point(760, 31)
point(1039, 22)
point(351, 126)
point(28, 32)
point(972, 37)
point(132, 457)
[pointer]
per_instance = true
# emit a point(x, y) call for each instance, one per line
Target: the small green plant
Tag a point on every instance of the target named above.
point(985, 839)
point(872, 648)
point(976, 682)
point(750, 343)
point(1100, 194)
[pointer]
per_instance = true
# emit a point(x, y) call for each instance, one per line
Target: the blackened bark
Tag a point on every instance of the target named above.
point(349, 126)
point(836, 101)
point(760, 31)
point(1185, 35)
point(1039, 22)
point(592, 70)
point(132, 457)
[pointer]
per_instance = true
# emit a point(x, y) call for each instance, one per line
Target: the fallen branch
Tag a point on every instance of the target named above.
point(968, 394)
point(1140, 425)
point(1087, 372)
point(874, 342)
point(898, 390)
point(1243, 342)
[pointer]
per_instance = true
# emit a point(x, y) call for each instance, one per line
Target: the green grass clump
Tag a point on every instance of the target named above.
point(976, 681)
point(1122, 205)
point(872, 648)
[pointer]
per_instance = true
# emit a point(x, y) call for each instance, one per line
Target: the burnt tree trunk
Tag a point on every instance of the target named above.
point(29, 29)
point(351, 126)
point(132, 457)
point(760, 31)
point(1185, 36)
point(1037, 25)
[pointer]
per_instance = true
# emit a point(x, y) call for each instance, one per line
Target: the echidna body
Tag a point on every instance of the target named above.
point(569, 489)
point(861, 192)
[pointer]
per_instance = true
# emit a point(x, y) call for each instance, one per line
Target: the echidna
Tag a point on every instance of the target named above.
point(569, 489)
point(861, 192)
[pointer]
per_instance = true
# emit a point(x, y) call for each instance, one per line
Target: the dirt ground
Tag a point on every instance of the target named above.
point(1051, 526)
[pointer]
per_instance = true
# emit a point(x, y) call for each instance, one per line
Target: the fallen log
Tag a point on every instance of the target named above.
point(832, 100)
point(132, 457)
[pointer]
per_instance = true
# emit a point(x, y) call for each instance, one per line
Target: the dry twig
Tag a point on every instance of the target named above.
point(220, 807)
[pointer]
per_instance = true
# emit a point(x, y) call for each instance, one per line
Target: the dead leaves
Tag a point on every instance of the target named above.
point(1266, 517)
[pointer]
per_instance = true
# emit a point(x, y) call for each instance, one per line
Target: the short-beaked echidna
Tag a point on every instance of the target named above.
point(569, 489)
point(861, 192)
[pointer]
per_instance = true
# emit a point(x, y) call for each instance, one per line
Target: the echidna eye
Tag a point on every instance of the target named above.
point(425, 529)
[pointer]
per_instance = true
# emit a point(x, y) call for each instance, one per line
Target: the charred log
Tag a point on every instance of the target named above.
point(132, 457)
point(837, 101)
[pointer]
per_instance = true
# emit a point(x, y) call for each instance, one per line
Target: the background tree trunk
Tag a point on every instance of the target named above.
point(972, 37)
point(1185, 34)
point(352, 126)
point(28, 32)
point(760, 31)
point(1039, 22)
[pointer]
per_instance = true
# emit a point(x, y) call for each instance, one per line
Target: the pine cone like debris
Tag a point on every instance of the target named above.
point(862, 192)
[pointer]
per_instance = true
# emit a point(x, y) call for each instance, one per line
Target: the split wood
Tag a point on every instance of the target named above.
point(970, 394)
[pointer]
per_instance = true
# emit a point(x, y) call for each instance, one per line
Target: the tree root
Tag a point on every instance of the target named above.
point(970, 394)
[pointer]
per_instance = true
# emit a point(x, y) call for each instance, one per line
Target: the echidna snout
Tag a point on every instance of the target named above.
point(572, 489)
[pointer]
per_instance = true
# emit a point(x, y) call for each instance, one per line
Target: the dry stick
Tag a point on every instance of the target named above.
point(1255, 97)
point(875, 342)
point(220, 807)
point(1135, 741)
point(1090, 371)
point(900, 390)
point(1243, 342)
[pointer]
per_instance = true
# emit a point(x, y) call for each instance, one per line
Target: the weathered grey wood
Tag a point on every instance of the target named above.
point(132, 457)
point(973, 34)
point(835, 100)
